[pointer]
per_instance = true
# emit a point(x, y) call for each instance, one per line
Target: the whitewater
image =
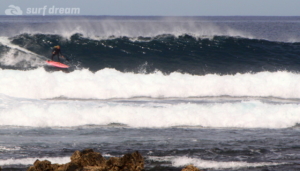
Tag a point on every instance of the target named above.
point(109, 83)
point(147, 113)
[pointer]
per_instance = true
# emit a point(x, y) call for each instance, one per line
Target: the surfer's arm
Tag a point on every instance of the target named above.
point(61, 55)
point(54, 51)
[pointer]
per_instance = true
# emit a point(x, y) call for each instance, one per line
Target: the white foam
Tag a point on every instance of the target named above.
point(5, 41)
point(18, 56)
point(30, 161)
point(183, 161)
point(43, 113)
point(109, 83)
point(3, 148)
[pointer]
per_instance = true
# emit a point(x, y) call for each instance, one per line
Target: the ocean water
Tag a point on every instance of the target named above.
point(221, 93)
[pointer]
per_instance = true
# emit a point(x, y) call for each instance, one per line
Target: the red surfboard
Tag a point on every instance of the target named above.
point(57, 64)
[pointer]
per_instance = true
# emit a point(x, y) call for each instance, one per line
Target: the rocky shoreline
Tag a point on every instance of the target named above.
point(88, 160)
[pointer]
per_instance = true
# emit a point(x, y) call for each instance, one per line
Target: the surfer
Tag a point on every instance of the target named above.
point(56, 51)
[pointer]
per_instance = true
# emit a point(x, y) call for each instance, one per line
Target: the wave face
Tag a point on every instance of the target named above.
point(170, 53)
point(194, 45)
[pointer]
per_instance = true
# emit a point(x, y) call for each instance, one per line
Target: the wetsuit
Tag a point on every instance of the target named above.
point(56, 51)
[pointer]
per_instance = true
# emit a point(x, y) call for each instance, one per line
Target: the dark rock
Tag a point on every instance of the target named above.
point(55, 166)
point(68, 167)
point(190, 168)
point(132, 162)
point(31, 168)
point(76, 156)
point(113, 164)
point(88, 158)
point(41, 166)
point(94, 168)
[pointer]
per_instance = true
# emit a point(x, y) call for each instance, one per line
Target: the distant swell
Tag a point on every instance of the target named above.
point(168, 53)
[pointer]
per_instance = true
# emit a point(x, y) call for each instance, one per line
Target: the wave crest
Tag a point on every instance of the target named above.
point(167, 53)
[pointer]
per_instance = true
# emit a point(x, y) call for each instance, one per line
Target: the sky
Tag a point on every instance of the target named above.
point(153, 7)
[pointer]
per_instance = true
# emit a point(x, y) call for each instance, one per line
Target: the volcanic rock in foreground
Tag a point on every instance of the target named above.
point(88, 160)
point(190, 168)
